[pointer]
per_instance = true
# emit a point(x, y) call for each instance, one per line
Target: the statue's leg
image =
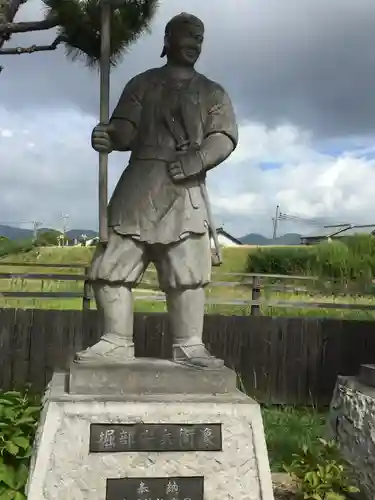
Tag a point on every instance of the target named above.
point(184, 269)
point(114, 271)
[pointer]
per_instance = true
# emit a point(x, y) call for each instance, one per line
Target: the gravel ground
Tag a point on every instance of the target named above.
point(283, 487)
point(281, 494)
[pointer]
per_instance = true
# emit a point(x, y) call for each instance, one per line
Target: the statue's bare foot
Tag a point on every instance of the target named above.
point(196, 356)
point(109, 349)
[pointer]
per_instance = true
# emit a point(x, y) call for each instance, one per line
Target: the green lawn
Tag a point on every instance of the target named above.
point(147, 289)
point(234, 262)
point(287, 429)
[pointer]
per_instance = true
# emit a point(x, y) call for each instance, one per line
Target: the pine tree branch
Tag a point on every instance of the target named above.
point(24, 27)
point(8, 11)
point(33, 48)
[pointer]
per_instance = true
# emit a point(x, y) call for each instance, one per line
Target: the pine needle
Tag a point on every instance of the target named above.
point(80, 22)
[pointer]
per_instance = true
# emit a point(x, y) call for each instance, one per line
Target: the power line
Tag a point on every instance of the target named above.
point(317, 222)
point(13, 223)
point(322, 222)
point(300, 220)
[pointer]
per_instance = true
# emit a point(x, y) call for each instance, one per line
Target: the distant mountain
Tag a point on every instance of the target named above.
point(16, 233)
point(254, 239)
point(259, 239)
point(288, 239)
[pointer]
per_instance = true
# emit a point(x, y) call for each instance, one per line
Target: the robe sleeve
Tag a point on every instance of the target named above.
point(129, 106)
point(220, 115)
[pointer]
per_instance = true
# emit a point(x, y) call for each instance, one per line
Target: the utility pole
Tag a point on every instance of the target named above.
point(65, 218)
point(36, 226)
point(275, 222)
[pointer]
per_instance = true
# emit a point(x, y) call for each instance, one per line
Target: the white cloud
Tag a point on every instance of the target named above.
point(4, 132)
point(52, 169)
point(261, 144)
point(307, 183)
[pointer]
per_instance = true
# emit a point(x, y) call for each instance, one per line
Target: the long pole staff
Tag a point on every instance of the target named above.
point(105, 51)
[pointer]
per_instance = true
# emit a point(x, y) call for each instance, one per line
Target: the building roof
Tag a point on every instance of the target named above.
point(342, 230)
point(365, 229)
point(221, 231)
point(327, 231)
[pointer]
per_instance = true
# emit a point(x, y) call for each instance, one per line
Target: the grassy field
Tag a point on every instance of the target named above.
point(234, 262)
point(287, 429)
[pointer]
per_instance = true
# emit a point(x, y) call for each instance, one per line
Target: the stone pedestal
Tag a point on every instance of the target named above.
point(352, 421)
point(148, 376)
point(211, 440)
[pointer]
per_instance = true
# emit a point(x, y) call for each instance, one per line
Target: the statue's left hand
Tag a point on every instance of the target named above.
point(175, 171)
point(188, 164)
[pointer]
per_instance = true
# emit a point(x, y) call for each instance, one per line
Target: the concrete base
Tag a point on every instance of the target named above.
point(352, 421)
point(367, 375)
point(62, 466)
point(148, 376)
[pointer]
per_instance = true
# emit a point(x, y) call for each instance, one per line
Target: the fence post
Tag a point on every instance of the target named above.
point(86, 301)
point(255, 295)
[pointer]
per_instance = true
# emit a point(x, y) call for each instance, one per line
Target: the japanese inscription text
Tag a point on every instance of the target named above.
point(154, 437)
point(155, 488)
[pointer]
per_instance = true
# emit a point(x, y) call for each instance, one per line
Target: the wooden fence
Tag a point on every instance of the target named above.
point(280, 360)
point(257, 284)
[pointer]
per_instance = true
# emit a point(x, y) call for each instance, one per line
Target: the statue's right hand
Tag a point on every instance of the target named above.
point(100, 139)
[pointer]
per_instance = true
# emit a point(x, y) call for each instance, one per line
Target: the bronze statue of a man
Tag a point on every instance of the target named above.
point(177, 124)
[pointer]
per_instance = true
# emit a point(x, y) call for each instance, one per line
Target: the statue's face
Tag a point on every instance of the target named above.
point(184, 44)
point(3, 11)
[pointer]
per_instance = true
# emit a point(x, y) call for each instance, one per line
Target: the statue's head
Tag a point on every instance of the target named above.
point(4, 11)
point(183, 39)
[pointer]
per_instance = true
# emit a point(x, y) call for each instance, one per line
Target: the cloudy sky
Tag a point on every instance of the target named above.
point(301, 74)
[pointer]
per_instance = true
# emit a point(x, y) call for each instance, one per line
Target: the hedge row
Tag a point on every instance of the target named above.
point(46, 238)
point(8, 247)
point(350, 258)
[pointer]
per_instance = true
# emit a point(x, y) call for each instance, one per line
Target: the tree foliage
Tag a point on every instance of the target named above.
point(352, 258)
point(8, 247)
point(321, 473)
point(47, 238)
point(78, 24)
point(19, 419)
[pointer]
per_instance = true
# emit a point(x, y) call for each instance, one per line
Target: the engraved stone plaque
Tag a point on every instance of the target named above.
point(155, 488)
point(113, 438)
